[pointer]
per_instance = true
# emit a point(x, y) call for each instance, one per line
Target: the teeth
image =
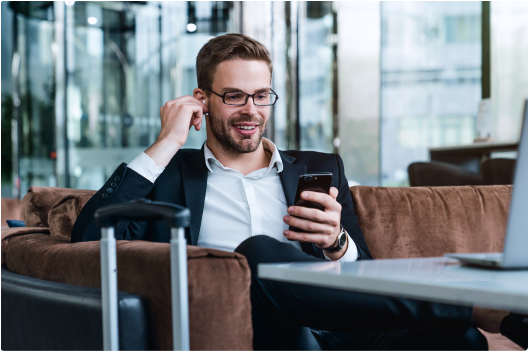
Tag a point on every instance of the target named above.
point(246, 127)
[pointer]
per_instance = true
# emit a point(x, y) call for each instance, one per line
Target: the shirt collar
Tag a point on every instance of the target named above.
point(266, 143)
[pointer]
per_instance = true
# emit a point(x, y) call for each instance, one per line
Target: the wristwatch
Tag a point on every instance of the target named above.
point(340, 242)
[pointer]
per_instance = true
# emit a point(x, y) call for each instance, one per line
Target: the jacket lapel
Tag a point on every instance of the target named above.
point(194, 176)
point(289, 178)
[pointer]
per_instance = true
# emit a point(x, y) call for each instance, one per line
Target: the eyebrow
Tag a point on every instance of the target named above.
point(233, 90)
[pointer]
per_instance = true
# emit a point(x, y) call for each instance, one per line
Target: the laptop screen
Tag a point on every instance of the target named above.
point(515, 247)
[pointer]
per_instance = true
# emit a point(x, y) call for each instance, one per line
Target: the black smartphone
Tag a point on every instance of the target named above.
point(319, 182)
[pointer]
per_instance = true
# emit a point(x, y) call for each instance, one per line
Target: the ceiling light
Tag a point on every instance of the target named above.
point(69, 3)
point(191, 27)
point(92, 20)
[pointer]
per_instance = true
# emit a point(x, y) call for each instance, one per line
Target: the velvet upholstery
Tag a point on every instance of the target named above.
point(219, 300)
point(11, 209)
point(428, 222)
point(10, 233)
point(431, 221)
point(39, 201)
point(64, 212)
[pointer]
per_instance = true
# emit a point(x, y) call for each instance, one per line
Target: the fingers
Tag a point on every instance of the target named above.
point(187, 100)
point(330, 218)
point(308, 225)
point(328, 201)
point(321, 240)
point(334, 192)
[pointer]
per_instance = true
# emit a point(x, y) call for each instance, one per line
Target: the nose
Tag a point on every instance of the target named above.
point(249, 108)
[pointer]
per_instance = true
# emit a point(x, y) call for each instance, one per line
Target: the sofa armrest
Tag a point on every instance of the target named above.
point(219, 283)
point(9, 233)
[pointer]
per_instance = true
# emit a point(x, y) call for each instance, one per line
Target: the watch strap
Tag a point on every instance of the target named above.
point(336, 247)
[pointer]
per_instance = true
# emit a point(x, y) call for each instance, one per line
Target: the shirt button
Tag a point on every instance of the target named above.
point(113, 185)
point(104, 196)
point(117, 178)
point(150, 175)
point(109, 190)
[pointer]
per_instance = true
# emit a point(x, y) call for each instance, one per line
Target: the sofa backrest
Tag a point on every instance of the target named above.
point(431, 221)
point(396, 222)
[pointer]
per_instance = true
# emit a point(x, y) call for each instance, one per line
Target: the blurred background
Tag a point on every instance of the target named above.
point(380, 83)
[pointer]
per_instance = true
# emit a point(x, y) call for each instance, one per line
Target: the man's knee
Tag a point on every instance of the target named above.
point(257, 249)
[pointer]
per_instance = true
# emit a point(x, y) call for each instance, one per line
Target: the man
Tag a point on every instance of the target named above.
point(240, 190)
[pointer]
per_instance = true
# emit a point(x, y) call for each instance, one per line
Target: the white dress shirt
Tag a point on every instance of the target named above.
point(239, 206)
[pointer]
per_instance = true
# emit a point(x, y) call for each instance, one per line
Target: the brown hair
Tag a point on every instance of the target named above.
point(227, 47)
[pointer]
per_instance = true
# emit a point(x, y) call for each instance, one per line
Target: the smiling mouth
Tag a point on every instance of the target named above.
point(246, 127)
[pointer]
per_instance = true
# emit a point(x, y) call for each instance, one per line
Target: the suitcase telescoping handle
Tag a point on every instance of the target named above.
point(177, 218)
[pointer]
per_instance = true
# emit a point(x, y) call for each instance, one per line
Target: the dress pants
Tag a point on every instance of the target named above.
point(343, 319)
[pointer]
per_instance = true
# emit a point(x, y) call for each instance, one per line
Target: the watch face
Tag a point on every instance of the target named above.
point(342, 240)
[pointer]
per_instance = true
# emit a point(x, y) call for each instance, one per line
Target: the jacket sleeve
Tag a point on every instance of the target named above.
point(123, 185)
point(349, 220)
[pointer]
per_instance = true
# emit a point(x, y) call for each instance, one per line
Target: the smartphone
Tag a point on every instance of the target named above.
point(318, 182)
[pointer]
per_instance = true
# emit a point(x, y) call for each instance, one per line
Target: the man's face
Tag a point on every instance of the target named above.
point(239, 129)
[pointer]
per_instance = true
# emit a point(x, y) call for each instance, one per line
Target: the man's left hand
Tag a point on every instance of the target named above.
point(323, 226)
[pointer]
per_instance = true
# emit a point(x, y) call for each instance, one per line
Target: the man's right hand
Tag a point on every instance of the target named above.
point(177, 118)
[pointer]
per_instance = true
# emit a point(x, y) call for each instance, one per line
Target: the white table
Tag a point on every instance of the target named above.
point(436, 279)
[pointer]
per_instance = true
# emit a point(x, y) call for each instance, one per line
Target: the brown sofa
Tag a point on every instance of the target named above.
point(219, 300)
point(396, 222)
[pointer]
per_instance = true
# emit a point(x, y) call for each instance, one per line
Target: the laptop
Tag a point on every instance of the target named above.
point(515, 253)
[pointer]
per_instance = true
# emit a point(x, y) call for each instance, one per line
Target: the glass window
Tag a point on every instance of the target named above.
point(125, 60)
point(7, 100)
point(36, 114)
point(430, 80)
point(315, 75)
point(359, 77)
point(509, 67)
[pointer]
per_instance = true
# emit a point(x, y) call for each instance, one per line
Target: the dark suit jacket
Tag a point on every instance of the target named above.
point(184, 182)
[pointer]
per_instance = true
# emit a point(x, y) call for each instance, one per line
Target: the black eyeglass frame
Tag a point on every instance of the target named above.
point(247, 97)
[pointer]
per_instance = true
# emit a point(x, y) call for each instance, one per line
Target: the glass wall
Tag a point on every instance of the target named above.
point(32, 75)
point(359, 85)
point(315, 91)
point(122, 69)
point(430, 80)
point(509, 67)
point(7, 101)
point(91, 79)
point(378, 82)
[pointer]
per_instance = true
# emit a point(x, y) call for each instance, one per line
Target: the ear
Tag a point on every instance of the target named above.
point(199, 94)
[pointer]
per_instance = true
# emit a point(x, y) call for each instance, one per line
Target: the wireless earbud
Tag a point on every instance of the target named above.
point(207, 114)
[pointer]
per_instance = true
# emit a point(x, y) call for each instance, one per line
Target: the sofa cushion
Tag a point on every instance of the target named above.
point(64, 212)
point(431, 221)
point(219, 282)
point(39, 201)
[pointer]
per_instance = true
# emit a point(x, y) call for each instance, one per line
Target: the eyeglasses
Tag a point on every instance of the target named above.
point(239, 98)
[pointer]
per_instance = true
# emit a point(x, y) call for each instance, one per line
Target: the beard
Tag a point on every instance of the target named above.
point(222, 131)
